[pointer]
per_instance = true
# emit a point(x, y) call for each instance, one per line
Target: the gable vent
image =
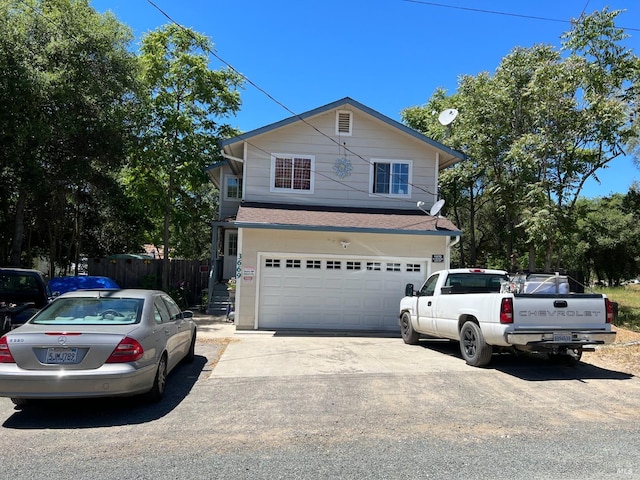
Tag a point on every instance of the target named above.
point(343, 122)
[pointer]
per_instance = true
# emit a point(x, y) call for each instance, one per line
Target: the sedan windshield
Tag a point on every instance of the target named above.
point(90, 311)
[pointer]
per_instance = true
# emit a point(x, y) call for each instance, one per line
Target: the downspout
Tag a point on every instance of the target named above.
point(450, 245)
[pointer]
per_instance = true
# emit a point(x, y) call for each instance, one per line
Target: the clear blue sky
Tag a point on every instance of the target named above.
point(387, 54)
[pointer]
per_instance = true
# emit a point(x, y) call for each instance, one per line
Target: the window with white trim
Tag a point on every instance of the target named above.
point(232, 187)
point(293, 263)
point(414, 267)
point(292, 173)
point(391, 177)
point(344, 122)
point(232, 245)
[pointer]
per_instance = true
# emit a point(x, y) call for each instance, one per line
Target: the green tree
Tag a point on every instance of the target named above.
point(535, 132)
point(65, 102)
point(186, 99)
point(606, 240)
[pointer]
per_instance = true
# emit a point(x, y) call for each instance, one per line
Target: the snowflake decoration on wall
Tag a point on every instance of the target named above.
point(342, 167)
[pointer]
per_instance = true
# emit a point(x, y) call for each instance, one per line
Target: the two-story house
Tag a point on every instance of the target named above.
point(319, 219)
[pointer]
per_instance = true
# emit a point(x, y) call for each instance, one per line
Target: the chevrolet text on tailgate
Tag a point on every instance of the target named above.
point(487, 311)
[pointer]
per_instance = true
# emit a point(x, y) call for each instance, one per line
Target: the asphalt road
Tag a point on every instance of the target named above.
point(340, 407)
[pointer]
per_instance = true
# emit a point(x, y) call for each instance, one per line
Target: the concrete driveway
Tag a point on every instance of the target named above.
point(251, 353)
point(267, 354)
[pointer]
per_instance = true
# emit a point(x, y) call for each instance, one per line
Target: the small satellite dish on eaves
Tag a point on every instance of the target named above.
point(447, 116)
point(435, 210)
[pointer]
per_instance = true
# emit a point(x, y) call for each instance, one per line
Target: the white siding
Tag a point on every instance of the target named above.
point(371, 139)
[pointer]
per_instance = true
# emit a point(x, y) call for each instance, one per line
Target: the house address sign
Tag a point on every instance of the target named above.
point(437, 258)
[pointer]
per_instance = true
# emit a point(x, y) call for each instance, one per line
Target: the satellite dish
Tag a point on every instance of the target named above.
point(447, 116)
point(436, 208)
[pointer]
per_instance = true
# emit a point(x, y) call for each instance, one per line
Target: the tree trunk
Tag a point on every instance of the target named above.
point(532, 258)
point(548, 258)
point(18, 231)
point(165, 256)
point(473, 250)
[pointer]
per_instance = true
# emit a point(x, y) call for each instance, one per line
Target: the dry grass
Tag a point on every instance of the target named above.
point(622, 356)
point(628, 300)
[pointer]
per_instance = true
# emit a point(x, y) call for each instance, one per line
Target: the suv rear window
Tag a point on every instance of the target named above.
point(15, 283)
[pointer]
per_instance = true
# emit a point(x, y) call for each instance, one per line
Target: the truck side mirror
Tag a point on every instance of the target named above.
point(408, 290)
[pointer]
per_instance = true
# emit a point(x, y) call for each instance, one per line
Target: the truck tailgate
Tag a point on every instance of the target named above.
point(574, 311)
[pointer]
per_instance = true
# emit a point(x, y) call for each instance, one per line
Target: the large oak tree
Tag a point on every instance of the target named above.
point(535, 131)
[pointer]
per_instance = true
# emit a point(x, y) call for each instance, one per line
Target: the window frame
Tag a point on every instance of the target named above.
point(227, 178)
point(292, 158)
point(390, 185)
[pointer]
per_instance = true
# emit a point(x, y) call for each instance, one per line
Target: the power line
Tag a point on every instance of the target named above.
point(268, 95)
point(507, 14)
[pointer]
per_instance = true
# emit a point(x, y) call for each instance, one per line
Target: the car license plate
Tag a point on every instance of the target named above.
point(562, 337)
point(62, 355)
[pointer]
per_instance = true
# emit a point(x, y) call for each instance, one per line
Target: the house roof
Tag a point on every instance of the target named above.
point(362, 220)
point(452, 156)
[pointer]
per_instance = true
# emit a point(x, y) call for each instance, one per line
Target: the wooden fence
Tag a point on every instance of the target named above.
point(193, 275)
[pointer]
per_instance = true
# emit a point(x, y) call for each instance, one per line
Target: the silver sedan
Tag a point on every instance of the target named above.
point(97, 343)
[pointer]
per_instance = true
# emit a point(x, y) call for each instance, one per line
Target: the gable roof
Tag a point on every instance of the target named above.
point(453, 155)
point(341, 219)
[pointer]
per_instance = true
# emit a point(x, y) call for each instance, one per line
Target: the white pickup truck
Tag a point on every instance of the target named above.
point(487, 311)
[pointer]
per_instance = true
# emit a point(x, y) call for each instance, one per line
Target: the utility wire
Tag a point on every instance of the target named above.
point(268, 95)
point(494, 12)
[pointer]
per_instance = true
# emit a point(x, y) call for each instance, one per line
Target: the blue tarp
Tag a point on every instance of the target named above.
point(69, 284)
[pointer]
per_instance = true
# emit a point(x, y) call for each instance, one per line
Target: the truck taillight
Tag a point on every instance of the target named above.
point(506, 310)
point(609, 308)
point(5, 353)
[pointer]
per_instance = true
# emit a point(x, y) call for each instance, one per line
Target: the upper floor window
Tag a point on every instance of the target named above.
point(232, 188)
point(292, 173)
point(391, 177)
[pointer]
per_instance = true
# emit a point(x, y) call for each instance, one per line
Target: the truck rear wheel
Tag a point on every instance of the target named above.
point(409, 335)
point(475, 351)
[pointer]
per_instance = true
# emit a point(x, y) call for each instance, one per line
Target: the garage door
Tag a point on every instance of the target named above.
point(340, 293)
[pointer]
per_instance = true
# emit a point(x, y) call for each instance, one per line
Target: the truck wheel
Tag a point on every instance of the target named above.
point(474, 349)
point(409, 335)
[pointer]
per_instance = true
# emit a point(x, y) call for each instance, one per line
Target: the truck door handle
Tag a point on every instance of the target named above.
point(429, 303)
point(560, 304)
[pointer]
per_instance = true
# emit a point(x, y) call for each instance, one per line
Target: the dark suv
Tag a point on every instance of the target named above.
point(22, 293)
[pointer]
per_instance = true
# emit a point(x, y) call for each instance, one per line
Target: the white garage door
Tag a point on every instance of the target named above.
point(334, 293)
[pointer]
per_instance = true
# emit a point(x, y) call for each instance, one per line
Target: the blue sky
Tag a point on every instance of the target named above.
point(386, 54)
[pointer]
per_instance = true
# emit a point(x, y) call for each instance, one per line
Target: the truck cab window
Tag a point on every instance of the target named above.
point(430, 286)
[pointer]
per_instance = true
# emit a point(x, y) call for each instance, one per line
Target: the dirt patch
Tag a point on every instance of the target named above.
point(622, 356)
point(221, 343)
